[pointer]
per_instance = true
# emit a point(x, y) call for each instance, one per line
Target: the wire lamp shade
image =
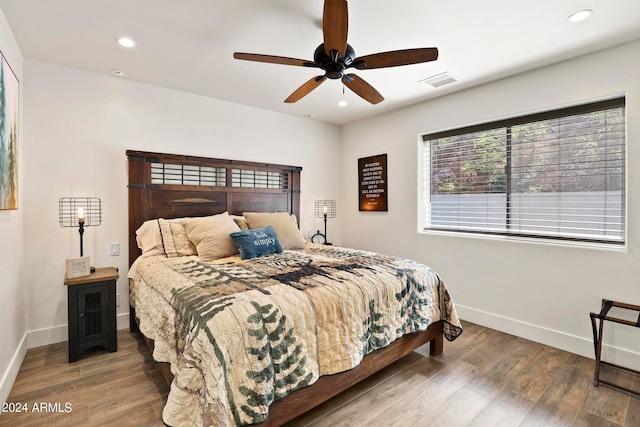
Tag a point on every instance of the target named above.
point(80, 212)
point(324, 209)
point(69, 208)
point(325, 206)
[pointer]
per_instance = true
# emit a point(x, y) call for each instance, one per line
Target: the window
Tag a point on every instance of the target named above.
point(558, 175)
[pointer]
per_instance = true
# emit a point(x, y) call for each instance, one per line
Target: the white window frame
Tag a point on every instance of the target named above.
point(424, 193)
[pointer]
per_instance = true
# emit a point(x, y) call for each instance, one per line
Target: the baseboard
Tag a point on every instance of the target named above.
point(571, 343)
point(57, 334)
point(122, 321)
point(46, 336)
point(39, 338)
point(11, 373)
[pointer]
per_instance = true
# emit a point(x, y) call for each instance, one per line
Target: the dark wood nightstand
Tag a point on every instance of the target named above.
point(91, 305)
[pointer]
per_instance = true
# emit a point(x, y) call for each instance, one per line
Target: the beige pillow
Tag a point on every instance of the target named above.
point(149, 238)
point(174, 239)
point(284, 225)
point(241, 221)
point(210, 234)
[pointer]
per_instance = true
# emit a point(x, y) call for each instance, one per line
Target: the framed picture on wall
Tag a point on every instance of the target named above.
point(372, 183)
point(9, 108)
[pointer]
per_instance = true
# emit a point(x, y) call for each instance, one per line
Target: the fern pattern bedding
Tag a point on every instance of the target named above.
point(240, 334)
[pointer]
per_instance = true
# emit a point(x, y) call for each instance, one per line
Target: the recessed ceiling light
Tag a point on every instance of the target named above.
point(342, 103)
point(125, 41)
point(580, 15)
point(115, 72)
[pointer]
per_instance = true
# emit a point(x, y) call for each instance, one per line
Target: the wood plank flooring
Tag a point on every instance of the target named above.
point(484, 378)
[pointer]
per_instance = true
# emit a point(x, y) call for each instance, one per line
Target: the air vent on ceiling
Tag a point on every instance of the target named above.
point(439, 79)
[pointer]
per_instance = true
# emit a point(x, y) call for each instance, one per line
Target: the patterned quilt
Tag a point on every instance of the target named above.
point(241, 334)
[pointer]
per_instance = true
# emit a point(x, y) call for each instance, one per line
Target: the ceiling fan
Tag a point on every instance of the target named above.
point(335, 56)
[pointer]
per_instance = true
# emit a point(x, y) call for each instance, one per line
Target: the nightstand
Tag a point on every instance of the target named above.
point(91, 305)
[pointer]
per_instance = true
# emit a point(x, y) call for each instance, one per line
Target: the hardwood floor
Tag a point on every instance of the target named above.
point(121, 388)
point(484, 378)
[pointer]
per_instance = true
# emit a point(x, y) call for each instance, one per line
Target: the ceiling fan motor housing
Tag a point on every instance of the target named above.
point(334, 67)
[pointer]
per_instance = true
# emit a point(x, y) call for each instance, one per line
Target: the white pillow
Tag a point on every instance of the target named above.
point(164, 237)
point(149, 238)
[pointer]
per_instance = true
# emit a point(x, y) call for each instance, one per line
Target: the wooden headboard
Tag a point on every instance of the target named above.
point(174, 186)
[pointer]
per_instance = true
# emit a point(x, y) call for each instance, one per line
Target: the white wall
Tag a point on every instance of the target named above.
point(77, 128)
point(12, 298)
point(539, 291)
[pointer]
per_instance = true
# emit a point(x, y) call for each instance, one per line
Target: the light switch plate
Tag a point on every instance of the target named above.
point(114, 249)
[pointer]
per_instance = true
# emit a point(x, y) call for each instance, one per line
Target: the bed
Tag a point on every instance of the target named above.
point(261, 340)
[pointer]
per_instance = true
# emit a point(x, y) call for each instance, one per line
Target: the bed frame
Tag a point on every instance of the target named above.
point(172, 186)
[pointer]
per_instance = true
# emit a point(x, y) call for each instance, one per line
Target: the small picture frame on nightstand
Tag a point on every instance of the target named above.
point(78, 267)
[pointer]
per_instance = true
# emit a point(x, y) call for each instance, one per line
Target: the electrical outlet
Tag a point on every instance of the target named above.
point(114, 249)
point(309, 234)
point(117, 300)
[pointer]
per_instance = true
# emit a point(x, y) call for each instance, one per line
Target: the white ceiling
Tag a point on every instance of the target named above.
point(188, 45)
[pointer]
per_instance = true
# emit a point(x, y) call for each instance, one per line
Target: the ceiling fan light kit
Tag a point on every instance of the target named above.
point(335, 56)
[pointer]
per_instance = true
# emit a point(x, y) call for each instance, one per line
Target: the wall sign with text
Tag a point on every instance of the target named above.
point(372, 183)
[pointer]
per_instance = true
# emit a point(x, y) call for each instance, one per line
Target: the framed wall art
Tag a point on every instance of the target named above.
point(372, 183)
point(9, 108)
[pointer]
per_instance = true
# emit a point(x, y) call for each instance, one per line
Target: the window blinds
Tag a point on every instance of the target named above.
point(558, 174)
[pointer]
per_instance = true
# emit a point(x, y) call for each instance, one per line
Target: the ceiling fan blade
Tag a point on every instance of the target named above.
point(304, 90)
point(396, 58)
point(274, 59)
point(362, 88)
point(335, 25)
